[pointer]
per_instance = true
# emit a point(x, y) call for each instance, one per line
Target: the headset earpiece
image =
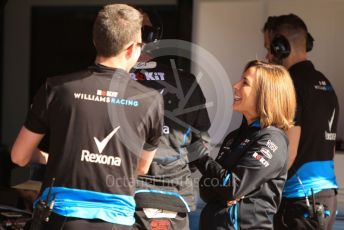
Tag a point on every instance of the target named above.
point(309, 42)
point(149, 34)
point(153, 32)
point(280, 47)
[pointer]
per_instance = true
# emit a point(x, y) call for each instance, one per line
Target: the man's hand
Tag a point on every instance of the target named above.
point(232, 202)
point(145, 161)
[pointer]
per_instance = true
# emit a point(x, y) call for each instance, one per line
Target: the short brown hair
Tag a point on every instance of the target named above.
point(115, 26)
point(276, 98)
point(291, 26)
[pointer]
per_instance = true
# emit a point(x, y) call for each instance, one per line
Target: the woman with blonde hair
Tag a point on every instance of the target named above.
point(242, 187)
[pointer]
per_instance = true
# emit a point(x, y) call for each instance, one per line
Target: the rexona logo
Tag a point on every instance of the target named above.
point(328, 135)
point(87, 156)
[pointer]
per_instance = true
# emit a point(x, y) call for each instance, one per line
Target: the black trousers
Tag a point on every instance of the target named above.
point(57, 222)
point(181, 222)
point(294, 213)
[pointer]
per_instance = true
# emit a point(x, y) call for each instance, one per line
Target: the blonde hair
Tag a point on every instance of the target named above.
point(276, 97)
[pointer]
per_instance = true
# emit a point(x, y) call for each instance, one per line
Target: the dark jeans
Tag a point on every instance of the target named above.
point(294, 213)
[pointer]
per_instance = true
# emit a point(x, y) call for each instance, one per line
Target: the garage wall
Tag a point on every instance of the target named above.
point(231, 31)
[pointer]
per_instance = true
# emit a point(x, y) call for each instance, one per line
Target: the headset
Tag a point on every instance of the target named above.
point(152, 33)
point(280, 46)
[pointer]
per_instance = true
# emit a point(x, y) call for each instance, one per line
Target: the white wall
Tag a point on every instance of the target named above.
point(231, 31)
point(228, 29)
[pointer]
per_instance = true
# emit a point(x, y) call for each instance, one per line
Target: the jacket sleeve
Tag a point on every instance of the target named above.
point(263, 160)
point(199, 119)
point(155, 125)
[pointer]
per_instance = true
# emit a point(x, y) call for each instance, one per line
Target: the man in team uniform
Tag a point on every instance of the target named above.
point(309, 196)
point(104, 130)
point(165, 195)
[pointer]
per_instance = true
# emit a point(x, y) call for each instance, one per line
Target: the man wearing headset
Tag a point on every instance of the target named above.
point(309, 196)
point(165, 195)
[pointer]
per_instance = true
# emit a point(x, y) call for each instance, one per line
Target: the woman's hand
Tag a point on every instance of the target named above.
point(232, 202)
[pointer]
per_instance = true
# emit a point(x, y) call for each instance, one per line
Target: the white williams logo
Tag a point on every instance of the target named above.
point(101, 144)
point(328, 135)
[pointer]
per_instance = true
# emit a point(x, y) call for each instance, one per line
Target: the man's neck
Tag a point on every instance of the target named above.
point(112, 62)
point(292, 60)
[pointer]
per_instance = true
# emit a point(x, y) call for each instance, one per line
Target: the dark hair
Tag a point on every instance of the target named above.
point(270, 24)
point(115, 26)
point(273, 23)
point(292, 27)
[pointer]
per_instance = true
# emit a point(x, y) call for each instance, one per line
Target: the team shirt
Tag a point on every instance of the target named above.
point(98, 120)
point(317, 115)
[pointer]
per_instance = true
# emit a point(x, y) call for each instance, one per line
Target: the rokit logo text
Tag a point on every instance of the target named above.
point(148, 76)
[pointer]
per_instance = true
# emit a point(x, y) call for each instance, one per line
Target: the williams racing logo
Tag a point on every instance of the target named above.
point(105, 96)
point(329, 136)
point(243, 143)
point(322, 85)
point(87, 156)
